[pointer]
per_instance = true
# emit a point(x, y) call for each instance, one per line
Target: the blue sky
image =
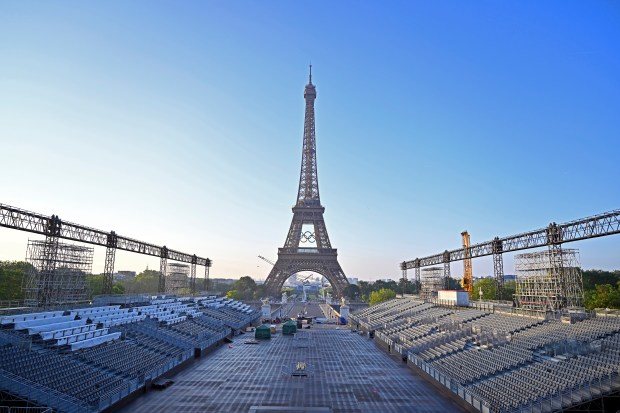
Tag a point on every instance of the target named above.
point(180, 123)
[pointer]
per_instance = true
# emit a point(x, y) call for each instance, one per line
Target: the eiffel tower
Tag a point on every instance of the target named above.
point(307, 226)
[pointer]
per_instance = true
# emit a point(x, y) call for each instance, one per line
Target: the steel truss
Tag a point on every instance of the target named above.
point(16, 218)
point(206, 279)
point(600, 225)
point(58, 273)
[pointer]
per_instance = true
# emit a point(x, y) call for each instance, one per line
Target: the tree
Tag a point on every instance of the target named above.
point(382, 295)
point(406, 285)
point(261, 291)
point(592, 278)
point(118, 288)
point(352, 292)
point(488, 289)
point(95, 284)
point(245, 288)
point(145, 282)
point(12, 274)
point(603, 296)
point(365, 290)
point(510, 288)
point(234, 294)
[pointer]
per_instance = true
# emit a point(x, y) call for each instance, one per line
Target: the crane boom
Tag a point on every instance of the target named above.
point(468, 281)
point(266, 260)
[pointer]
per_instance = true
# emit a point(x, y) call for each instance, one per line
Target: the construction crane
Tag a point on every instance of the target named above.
point(467, 282)
point(266, 260)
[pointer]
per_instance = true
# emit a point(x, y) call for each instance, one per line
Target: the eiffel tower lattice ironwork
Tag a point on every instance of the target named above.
point(308, 225)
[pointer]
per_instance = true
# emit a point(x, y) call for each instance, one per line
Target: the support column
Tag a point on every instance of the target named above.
point(46, 285)
point(108, 269)
point(556, 264)
point(163, 266)
point(446, 269)
point(206, 281)
point(498, 268)
point(418, 281)
point(403, 268)
point(192, 276)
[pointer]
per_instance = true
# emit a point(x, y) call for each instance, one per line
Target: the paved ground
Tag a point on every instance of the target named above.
point(347, 373)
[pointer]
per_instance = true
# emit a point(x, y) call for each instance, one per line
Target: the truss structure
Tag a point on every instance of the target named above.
point(549, 280)
point(432, 281)
point(177, 278)
point(58, 273)
point(54, 227)
point(307, 246)
point(553, 236)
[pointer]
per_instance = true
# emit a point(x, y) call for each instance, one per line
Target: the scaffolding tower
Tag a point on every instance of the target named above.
point(177, 278)
point(549, 280)
point(58, 273)
point(432, 280)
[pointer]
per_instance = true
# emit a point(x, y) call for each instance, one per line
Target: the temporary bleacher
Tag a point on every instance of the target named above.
point(87, 359)
point(62, 374)
point(503, 362)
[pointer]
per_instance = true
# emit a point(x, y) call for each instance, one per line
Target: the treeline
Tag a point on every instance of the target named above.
point(601, 288)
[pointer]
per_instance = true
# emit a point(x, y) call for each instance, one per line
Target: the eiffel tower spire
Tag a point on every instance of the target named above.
point(307, 246)
point(308, 194)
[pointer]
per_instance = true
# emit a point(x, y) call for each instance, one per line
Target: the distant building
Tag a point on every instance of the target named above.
point(228, 281)
point(352, 280)
point(124, 275)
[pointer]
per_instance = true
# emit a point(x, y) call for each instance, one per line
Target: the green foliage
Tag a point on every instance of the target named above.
point(382, 295)
point(510, 288)
point(12, 274)
point(118, 288)
point(234, 294)
point(409, 286)
point(95, 284)
point(244, 288)
point(352, 292)
point(603, 296)
point(592, 278)
point(488, 289)
point(260, 292)
point(145, 282)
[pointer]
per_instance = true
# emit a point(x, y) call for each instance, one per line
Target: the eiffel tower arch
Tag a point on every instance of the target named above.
point(307, 246)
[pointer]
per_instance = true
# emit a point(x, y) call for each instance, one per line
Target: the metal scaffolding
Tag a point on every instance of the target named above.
point(432, 281)
point(177, 278)
point(549, 280)
point(58, 273)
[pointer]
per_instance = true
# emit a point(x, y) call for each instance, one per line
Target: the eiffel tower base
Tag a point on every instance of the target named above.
point(323, 261)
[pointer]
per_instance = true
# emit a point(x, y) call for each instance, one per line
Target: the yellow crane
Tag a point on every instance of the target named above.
point(467, 282)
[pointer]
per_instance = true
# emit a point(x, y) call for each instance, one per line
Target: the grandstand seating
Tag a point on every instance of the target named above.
point(60, 373)
point(97, 355)
point(502, 362)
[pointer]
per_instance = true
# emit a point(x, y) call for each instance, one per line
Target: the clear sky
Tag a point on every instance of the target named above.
point(181, 123)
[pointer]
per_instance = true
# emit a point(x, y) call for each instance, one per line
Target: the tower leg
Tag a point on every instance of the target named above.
point(418, 281)
point(498, 273)
point(47, 280)
point(108, 270)
point(192, 279)
point(403, 267)
point(206, 281)
point(556, 266)
point(446, 275)
point(163, 265)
